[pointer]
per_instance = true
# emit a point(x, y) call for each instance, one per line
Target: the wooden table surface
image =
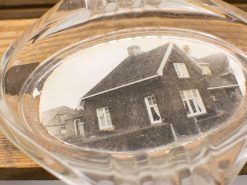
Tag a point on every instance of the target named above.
point(20, 9)
point(14, 165)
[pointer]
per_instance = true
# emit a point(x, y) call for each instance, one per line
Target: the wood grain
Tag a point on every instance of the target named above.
point(13, 163)
point(20, 9)
point(27, 2)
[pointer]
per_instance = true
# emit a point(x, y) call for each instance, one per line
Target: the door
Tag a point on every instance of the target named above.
point(79, 128)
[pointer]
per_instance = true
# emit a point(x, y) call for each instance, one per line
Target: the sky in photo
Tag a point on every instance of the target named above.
point(83, 70)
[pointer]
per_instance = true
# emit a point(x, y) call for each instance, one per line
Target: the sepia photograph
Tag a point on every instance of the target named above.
point(143, 92)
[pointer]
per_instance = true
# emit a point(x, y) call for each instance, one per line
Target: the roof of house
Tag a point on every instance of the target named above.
point(219, 66)
point(132, 69)
point(219, 82)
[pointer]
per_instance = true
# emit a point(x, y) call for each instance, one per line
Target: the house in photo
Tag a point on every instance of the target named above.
point(64, 123)
point(153, 97)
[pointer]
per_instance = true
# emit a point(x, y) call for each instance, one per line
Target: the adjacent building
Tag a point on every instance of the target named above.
point(64, 123)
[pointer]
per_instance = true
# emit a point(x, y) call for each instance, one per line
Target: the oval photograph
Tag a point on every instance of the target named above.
point(143, 92)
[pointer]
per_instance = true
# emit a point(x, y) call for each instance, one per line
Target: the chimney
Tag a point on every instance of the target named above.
point(134, 50)
point(186, 49)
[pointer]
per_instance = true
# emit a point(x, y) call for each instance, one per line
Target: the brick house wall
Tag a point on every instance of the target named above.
point(128, 110)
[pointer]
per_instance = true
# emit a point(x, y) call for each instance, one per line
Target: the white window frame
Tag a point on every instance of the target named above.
point(193, 96)
point(104, 114)
point(150, 102)
point(181, 70)
point(206, 69)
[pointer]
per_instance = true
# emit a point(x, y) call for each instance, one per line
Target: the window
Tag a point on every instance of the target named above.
point(153, 111)
point(63, 129)
point(104, 118)
point(181, 70)
point(206, 69)
point(193, 102)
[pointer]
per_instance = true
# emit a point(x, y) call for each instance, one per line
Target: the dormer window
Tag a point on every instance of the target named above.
point(206, 69)
point(181, 70)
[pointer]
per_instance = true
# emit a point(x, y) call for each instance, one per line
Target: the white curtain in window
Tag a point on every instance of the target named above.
point(153, 110)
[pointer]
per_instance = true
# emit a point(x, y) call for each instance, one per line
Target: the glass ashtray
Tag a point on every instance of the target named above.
point(130, 92)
